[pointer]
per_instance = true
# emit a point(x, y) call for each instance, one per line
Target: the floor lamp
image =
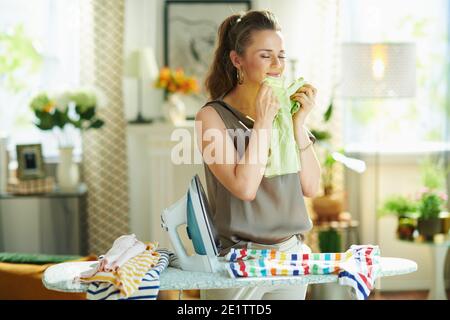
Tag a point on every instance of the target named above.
point(141, 65)
point(378, 71)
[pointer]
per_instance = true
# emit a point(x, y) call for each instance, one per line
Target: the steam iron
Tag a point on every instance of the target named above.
point(194, 211)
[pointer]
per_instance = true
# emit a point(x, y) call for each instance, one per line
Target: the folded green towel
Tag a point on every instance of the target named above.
point(284, 157)
point(31, 258)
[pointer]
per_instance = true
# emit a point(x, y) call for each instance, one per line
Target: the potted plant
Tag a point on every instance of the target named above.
point(432, 201)
point(330, 240)
point(431, 204)
point(405, 208)
point(330, 204)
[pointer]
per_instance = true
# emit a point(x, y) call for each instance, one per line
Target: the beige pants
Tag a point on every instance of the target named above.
point(275, 292)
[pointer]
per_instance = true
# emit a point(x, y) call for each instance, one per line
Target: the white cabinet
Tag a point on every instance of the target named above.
point(156, 180)
point(52, 223)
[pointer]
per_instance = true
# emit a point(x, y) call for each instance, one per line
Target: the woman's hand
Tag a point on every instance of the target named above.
point(267, 104)
point(306, 96)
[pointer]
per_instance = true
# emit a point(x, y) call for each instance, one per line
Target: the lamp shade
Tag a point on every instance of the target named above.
point(378, 70)
point(141, 64)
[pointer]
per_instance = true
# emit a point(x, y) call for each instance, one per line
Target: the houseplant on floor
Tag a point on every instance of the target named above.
point(329, 205)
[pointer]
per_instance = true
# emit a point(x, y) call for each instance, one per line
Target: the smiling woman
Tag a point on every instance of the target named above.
point(251, 209)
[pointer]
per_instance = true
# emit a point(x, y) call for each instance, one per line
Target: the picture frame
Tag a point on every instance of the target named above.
point(30, 162)
point(190, 32)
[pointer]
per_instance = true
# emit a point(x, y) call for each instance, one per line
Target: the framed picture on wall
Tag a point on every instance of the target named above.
point(30, 161)
point(190, 31)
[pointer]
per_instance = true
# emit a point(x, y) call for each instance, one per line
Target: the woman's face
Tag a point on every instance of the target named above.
point(264, 56)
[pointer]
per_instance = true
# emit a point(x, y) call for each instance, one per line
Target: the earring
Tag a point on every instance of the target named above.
point(240, 76)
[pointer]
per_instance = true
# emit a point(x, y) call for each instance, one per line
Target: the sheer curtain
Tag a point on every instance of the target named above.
point(53, 28)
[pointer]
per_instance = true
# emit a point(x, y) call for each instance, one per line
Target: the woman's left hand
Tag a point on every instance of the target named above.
point(306, 96)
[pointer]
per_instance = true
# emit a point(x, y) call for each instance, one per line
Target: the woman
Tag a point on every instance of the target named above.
point(248, 209)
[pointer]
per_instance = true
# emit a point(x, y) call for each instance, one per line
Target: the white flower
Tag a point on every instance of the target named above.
point(97, 93)
point(62, 100)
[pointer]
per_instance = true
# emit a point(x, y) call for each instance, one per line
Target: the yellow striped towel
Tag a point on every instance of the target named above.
point(128, 277)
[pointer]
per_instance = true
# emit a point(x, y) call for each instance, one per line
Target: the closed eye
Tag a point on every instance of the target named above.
point(282, 57)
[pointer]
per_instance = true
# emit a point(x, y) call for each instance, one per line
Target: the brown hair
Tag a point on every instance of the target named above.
point(234, 34)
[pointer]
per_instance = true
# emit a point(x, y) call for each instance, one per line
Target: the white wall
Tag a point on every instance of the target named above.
point(144, 21)
point(143, 28)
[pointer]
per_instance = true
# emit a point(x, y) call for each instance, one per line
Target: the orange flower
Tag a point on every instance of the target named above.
point(176, 81)
point(49, 107)
point(164, 74)
point(193, 85)
point(172, 87)
point(179, 76)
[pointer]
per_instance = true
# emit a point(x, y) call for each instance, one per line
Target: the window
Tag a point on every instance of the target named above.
point(407, 123)
point(53, 28)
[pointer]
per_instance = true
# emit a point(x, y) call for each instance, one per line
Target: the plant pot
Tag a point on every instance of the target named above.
point(406, 227)
point(445, 222)
point(329, 241)
point(428, 228)
point(328, 207)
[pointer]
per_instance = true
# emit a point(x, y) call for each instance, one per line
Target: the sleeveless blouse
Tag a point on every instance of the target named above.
point(278, 210)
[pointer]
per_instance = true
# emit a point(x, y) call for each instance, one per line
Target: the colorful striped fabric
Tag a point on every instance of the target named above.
point(358, 267)
point(148, 287)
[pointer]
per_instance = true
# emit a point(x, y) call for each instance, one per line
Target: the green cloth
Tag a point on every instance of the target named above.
point(31, 258)
point(284, 156)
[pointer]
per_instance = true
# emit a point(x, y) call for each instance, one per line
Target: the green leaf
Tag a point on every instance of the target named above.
point(398, 205)
point(97, 124)
point(45, 121)
point(329, 161)
point(327, 115)
point(321, 135)
point(77, 124)
point(88, 114)
point(61, 118)
point(18, 54)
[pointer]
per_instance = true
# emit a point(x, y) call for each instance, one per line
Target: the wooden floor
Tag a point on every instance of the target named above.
point(402, 295)
point(377, 295)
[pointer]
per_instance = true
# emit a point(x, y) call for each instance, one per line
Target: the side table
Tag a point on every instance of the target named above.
point(55, 223)
point(439, 247)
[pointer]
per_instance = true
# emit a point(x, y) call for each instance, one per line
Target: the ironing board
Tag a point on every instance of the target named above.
point(60, 277)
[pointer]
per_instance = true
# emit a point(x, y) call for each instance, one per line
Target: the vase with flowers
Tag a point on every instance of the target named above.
point(175, 84)
point(64, 113)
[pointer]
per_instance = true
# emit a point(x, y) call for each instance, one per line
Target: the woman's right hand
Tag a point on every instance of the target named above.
point(267, 104)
